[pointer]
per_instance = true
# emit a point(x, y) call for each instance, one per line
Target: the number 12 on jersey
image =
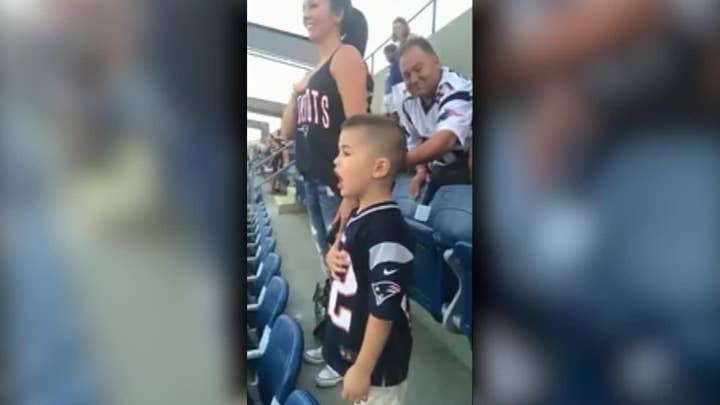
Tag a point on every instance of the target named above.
point(342, 316)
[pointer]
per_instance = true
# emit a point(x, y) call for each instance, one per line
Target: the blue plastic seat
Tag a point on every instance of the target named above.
point(449, 221)
point(269, 267)
point(275, 365)
point(301, 397)
point(270, 305)
point(256, 216)
point(254, 239)
point(267, 245)
point(459, 313)
point(401, 195)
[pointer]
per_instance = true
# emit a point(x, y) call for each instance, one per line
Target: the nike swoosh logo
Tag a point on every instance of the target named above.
point(388, 272)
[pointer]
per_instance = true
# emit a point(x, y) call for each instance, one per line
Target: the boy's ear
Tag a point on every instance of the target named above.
point(381, 168)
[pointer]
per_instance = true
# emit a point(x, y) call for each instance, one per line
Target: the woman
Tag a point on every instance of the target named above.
point(400, 31)
point(335, 89)
point(395, 87)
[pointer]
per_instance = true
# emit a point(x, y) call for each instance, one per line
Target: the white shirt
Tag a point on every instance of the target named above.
point(451, 110)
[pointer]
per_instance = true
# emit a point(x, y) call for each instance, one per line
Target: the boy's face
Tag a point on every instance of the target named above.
point(356, 164)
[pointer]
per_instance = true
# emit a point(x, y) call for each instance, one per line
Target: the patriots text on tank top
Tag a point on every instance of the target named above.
point(320, 114)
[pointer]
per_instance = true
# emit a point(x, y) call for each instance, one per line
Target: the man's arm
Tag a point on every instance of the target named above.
point(440, 143)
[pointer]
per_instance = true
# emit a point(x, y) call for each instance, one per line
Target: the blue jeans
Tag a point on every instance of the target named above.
point(322, 205)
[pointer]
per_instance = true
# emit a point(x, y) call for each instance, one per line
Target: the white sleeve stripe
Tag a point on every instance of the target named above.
point(389, 252)
point(458, 95)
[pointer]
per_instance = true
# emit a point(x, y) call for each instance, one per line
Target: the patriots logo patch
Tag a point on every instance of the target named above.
point(384, 290)
point(449, 113)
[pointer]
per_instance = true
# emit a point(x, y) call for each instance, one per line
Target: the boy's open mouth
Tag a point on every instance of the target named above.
point(340, 181)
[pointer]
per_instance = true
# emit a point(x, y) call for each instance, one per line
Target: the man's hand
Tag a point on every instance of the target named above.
point(356, 384)
point(420, 178)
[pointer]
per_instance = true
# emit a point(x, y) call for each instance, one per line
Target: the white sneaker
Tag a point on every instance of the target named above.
point(327, 377)
point(314, 356)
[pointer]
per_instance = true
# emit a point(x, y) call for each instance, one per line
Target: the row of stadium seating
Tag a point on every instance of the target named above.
point(275, 340)
point(442, 277)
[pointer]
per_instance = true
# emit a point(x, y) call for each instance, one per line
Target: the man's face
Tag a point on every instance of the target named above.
point(420, 72)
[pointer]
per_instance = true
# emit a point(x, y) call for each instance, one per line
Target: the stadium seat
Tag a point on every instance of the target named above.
point(401, 195)
point(255, 238)
point(256, 216)
point(271, 303)
point(266, 246)
point(301, 397)
point(275, 365)
point(449, 221)
point(458, 315)
point(252, 227)
point(269, 267)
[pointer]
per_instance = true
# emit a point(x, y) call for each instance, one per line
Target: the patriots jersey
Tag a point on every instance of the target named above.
point(376, 283)
point(450, 110)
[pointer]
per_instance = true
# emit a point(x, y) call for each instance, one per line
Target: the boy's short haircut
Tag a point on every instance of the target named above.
point(384, 135)
point(391, 48)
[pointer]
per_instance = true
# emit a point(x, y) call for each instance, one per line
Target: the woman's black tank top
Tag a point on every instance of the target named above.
point(320, 114)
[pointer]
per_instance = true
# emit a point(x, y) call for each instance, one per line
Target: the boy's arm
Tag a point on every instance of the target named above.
point(376, 334)
point(356, 385)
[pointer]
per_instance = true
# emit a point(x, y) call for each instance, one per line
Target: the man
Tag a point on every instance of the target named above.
point(436, 114)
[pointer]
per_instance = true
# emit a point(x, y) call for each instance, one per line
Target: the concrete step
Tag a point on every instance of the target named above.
point(287, 204)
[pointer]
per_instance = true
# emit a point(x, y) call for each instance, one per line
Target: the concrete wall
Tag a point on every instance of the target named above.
point(453, 43)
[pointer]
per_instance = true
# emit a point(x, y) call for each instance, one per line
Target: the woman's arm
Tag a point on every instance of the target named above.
point(350, 73)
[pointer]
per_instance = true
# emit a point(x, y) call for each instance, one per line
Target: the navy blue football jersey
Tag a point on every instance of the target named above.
point(376, 283)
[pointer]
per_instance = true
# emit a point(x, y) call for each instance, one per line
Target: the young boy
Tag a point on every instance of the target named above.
point(368, 340)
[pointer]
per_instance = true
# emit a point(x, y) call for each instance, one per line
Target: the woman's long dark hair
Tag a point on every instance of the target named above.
point(354, 26)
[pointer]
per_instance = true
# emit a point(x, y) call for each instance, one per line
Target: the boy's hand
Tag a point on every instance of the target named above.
point(336, 260)
point(356, 384)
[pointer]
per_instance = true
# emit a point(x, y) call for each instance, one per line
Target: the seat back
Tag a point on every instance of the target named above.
point(274, 302)
point(401, 195)
point(450, 220)
point(301, 397)
point(266, 245)
point(269, 267)
point(254, 239)
point(458, 318)
point(451, 214)
point(463, 250)
point(279, 366)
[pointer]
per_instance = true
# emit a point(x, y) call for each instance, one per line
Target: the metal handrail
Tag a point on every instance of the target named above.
point(272, 155)
point(272, 176)
point(277, 58)
point(371, 56)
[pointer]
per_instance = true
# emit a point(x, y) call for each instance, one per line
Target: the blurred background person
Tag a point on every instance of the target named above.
point(395, 87)
point(602, 161)
point(115, 177)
